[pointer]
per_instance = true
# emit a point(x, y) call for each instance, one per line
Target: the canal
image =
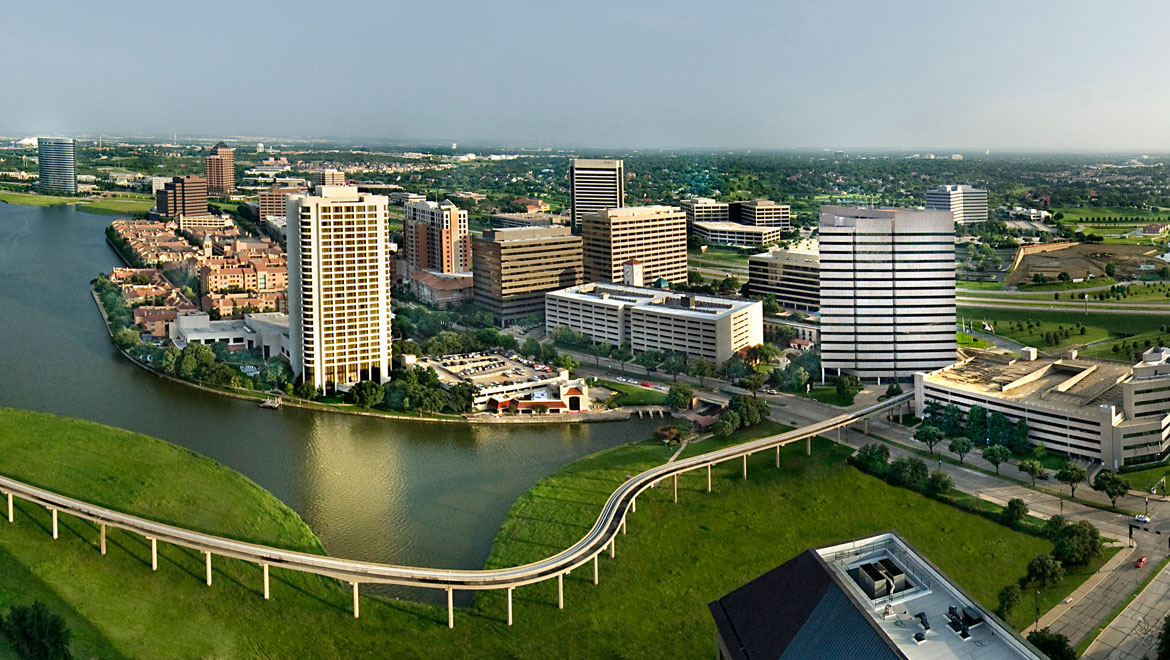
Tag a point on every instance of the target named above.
point(397, 492)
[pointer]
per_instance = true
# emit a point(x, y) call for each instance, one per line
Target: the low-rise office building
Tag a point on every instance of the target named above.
point(705, 209)
point(1088, 409)
point(654, 235)
point(531, 219)
point(266, 332)
point(792, 275)
point(509, 383)
point(442, 290)
point(655, 319)
point(761, 213)
point(735, 234)
point(967, 205)
point(515, 267)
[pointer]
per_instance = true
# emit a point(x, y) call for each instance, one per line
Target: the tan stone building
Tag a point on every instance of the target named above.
point(272, 201)
point(221, 170)
point(515, 267)
point(654, 235)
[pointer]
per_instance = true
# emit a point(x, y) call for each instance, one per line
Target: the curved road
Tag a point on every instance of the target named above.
point(594, 543)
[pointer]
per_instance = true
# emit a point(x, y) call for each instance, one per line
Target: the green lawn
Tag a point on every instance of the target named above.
point(971, 341)
point(651, 601)
point(35, 200)
point(980, 286)
point(1098, 326)
point(1067, 286)
point(631, 395)
point(1144, 480)
point(1072, 214)
point(118, 206)
point(721, 255)
point(828, 395)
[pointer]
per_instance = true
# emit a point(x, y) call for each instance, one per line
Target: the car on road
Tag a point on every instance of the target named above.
point(1142, 518)
point(1141, 561)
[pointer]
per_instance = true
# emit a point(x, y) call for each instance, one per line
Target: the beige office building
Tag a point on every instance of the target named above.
point(328, 178)
point(654, 235)
point(792, 275)
point(966, 204)
point(704, 209)
point(733, 233)
point(595, 185)
point(515, 267)
point(762, 213)
point(653, 319)
point(339, 267)
point(272, 201)
point(221, 170)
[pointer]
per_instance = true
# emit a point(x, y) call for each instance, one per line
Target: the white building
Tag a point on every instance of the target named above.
point(339, 270)
point(1089, 409)
point(887, 291)
point(653, 319)
point(595, 185)
point(792, 275)
point(762, 213)
point(966, 205)
point(733, 233)
point(704, 209)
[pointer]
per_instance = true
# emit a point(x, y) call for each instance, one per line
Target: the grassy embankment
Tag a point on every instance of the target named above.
point(650, 602)
point(121, 205)
point(1102, 330)
point(632, 395)
point(29, 199)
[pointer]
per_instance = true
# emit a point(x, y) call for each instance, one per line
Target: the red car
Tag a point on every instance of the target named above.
point(1140, 562)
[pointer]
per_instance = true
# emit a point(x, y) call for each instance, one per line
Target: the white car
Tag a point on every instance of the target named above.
point(1142, 518)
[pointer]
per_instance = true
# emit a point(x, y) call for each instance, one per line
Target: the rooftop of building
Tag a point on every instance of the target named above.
point(1067, 384)
point(809, 247)
point(703, 200)
point(735, 226)
point(488, 370)
point(875, 597)
point(599, 163)
point(760, 202)
point(443, 281)
point(686, 304)
point(636, 211)
point(509, 234)
point(961, 187)
point(339, 194)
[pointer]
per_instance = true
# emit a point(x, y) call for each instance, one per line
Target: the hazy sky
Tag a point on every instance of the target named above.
point(822, 73)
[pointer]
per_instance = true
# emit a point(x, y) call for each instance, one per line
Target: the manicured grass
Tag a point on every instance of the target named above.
point(970, 341)
point(630, 395)
point(1066, 286)
point(1082, 214)
point(117, 206)
point(1099, 325)
point(1144, 480)
point(35, 200)
point(721, 255)
point(980, 286)
point(828, 395)
point(651, 601)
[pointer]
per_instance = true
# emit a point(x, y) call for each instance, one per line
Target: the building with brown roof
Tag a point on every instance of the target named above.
point(155, 320)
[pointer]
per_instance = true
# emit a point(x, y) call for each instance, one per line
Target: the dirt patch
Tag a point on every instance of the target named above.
point(1084, 260)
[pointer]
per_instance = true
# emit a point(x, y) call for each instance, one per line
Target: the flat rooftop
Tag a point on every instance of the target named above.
point(659, 300)
point(487, 370)
point(735, 226)
point(1061, 384)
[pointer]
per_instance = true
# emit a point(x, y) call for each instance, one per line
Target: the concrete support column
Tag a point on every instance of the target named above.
point(708, 477)
point(102, 542)
point(265, 569)
point(450, 608)
point(675, 496)
point(9, 507)
point(154, 554)
point(777, 455)
point(613, 547)
point(867, 426)
point(623, 524)
point(560, 591)
point(745, 467)
point(634, 505)
point(207, 557)
point(594, 569)
point(54, 522)
point(509, 606)
point(356, 605)
point(839, 434)
point(808, 446)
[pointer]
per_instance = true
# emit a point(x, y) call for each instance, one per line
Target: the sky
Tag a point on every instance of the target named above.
point(1019, 75)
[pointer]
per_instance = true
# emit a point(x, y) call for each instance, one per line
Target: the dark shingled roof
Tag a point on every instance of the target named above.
point(798, 610)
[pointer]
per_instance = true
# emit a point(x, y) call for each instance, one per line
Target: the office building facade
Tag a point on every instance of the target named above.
point(792, 275)
point(654, 235)
point(339, 267)
point(733, 233)
point(184, 195)
point(220, 168)
point(887, 290)
point(595, 185)
point(967, 205)
point(761, 213)
point(57, 165)
point(436, 237)
point(272, 201)
point(703, 209)
point(329, 178)
point(515, 267)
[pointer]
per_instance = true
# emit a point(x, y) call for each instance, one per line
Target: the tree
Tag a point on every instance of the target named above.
point(846, 384)
point(909, 472)
point(126, 339)
point(675, 364)
point(939, 482)
point(1045, 570)
point(952, 424)
point(1164, 640)
point(1013, 514)
point(1112, 484)
point(735, 368)
point(565, 361)
point(751, 411)
point(1019, 443)
point(531, 348)
point(1053, 645)
point(35, 633)
point(1031, 467)
point(306, 390)
point(169, 362)
point(894, 389)
point(623, 354)
point(1072, 475)
point(961, 446)
point(929, 436)
point(1009, 597)
point(366, 394)
point(1110, 270)
point(752, 382)
point(1077, 544)
point(798, 378)
point(873, 458)
point(648, 360)
point(977, 423)
point(680, 395)
point(701, 368)
point(461, 397)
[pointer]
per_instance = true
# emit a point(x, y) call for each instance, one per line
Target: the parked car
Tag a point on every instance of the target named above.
point(1141, 561)
point(1142, 518)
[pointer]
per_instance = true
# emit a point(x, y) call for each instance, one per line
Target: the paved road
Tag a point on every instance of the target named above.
point(1134, 633)
point(1057, 306)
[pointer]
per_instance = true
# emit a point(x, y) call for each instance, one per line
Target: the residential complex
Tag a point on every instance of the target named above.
point(761, 213)
point(436, 238)
point(339, 268)
point(654, 235)
point(57, 164)
point(515, 267)
point(875, 597)
point(703, 209)
point(595, 185)
point(654, 319)
point(184, 195)
point(733, 233)
point(887, 291)
point(220, 168)
point(966, 205)
point(1089, 409)
point(792, 275)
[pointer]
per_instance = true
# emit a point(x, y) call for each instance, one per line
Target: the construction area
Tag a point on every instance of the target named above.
point(1086, 260)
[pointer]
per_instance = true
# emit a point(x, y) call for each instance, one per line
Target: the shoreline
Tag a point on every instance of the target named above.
point(615, 415)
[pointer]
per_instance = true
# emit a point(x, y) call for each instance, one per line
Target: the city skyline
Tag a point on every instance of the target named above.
point(843, 74)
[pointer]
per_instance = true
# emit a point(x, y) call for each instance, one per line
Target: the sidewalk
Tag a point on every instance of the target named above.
point(1134, 633)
